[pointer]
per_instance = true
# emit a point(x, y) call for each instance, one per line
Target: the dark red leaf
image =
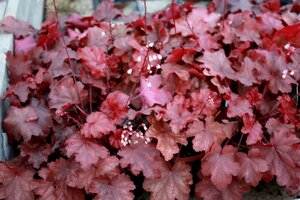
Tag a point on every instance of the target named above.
point(116, 188)
point(167, 141)
point(141, 157)
point(86, 151)
point(37, 152)
point(66, 93)
point(208, 191)
point(16, 183)
point(22, 123)
point(115, 106)
point(17, 73)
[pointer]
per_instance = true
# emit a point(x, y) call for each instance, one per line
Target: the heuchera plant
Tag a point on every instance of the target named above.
point(187, 101)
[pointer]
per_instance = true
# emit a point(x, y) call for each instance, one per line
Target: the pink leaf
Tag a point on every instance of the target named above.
point(172, 184)
point(205, 102)
point(178, 113)
point(12, 25)
point(217, 64)
point(97, 124)
point(221, 164)
point(25, 44)
point(282, 156)
point(95, 60)
point(238, 106)
point(152, 93)
point(208, 134)
point(252, 166)
point(253, 128)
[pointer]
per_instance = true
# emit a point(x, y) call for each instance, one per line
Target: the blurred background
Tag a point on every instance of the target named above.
point(86, 7)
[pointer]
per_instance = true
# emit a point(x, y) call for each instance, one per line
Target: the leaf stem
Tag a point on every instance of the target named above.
point(82, 111)
point(191, 158)
point(66, 49)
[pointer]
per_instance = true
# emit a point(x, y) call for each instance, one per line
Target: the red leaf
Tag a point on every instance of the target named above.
point(282, 156)
point(21, 89)
point(65, 94)
point(12, 25)
point(178, 113)
point(253, 128)
point(166, 139)
point(59, 62)
point(87, 152)
point(22, 122)
point(116, 188)
point(152, 93)
point(274, 69)
point(208, 134)
point(107, 167)
point(289, 109)
point(97, 124)
point(115, 106)
point(95, 60)
point(16, 183)
point(17, 73)
point(172, 68)
point(172, 184)
point(288, 35)
point(37, 151)
point(221, 164)
point(246, 72)
point(252, 166)
point(217, 64)
point(142, 158)
point(55, 178)
point(44, 116)
point(97, 37)
point(198, 21)
point(205, 102)
point(238, 106)
point(275, 125)
point(208, 191)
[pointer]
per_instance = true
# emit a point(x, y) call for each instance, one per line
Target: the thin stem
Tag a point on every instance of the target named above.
point(191, 158)
point(240, 141)
point(66, 49)
point(73, 119)
point(174, 22)
point(82, 111)
point(90, 99)
point(135, 84)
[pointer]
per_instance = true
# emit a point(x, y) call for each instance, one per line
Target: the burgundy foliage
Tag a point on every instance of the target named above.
point(186, 101)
